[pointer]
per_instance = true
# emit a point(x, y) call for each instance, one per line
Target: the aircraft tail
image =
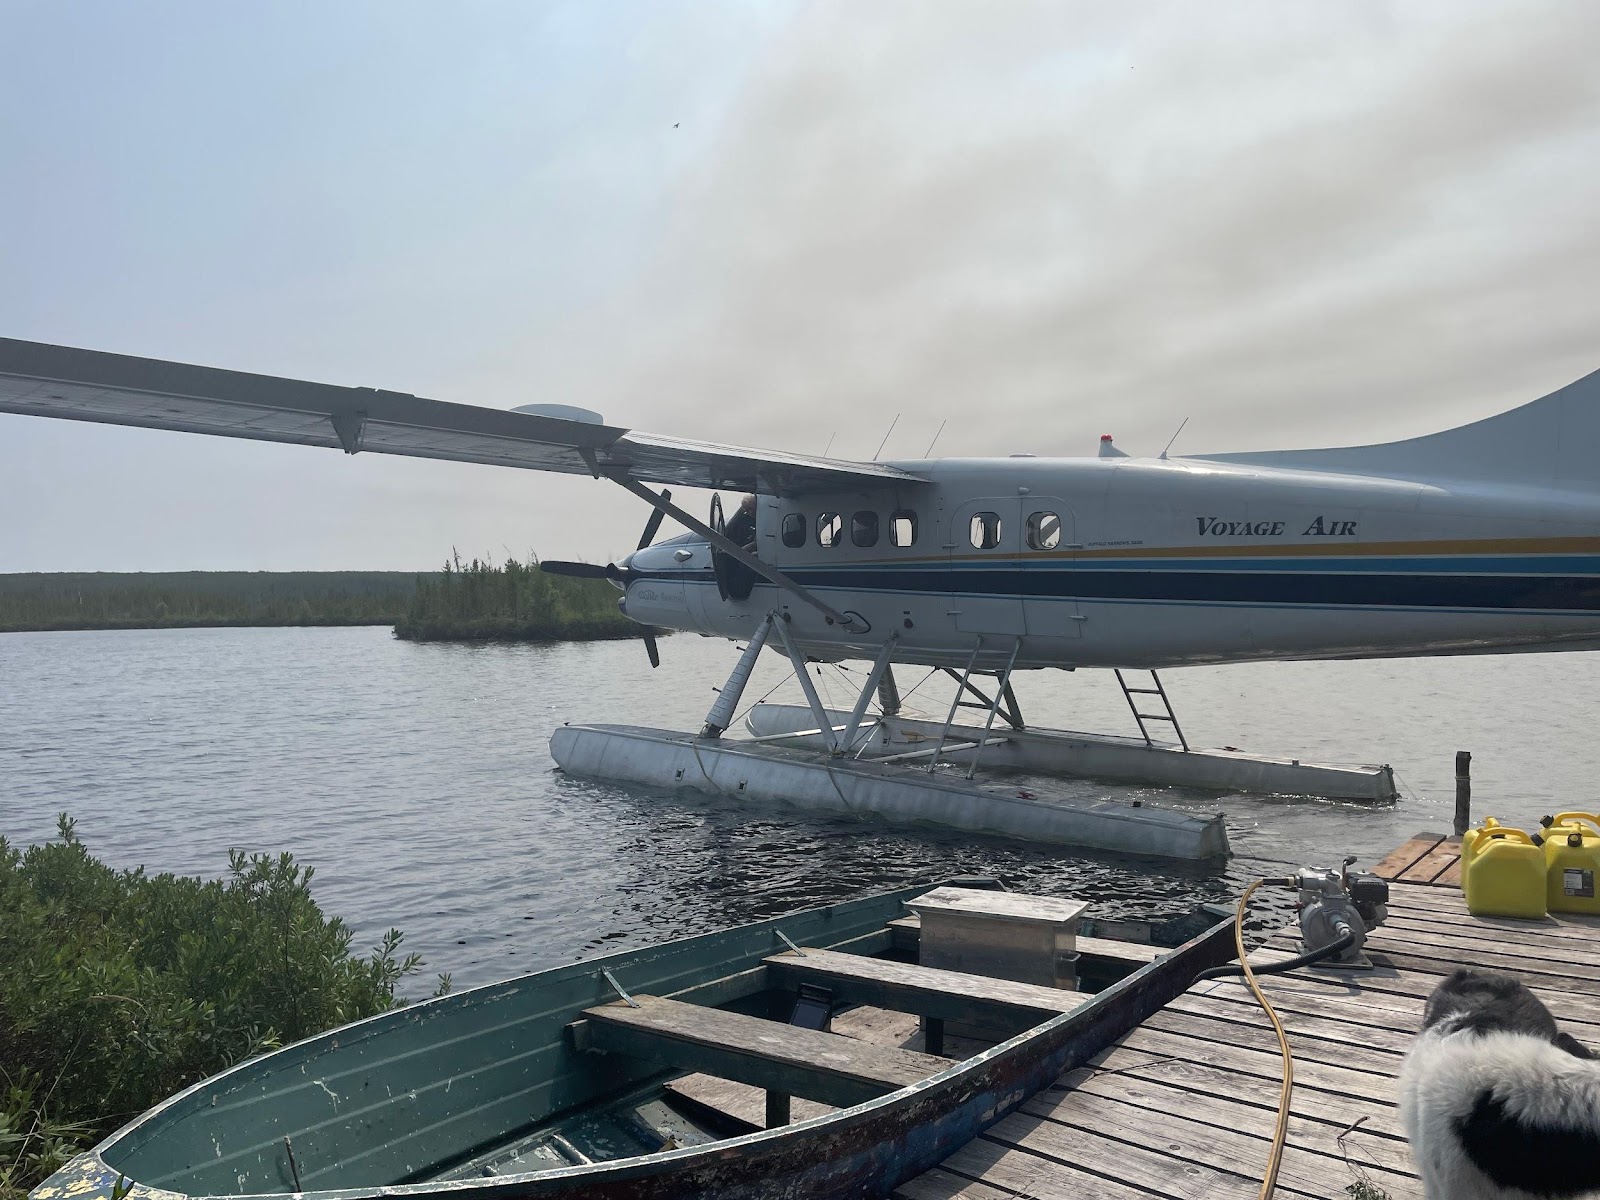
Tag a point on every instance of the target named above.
point(1551, 442)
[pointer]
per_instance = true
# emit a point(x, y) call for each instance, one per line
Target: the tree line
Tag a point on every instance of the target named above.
point(465, 601)
point(479, 600)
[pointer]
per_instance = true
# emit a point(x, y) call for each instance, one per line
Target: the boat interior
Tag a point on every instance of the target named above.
point(643, 1051)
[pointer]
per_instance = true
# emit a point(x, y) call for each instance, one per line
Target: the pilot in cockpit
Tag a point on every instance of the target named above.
point(741, 527)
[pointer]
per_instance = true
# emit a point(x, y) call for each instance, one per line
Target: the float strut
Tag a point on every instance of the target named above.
point(803, 673)
point(874, 677)
point(888, 693)
point(721, 714)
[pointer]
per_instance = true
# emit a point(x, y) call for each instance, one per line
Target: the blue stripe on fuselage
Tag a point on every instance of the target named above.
point(1501, 583)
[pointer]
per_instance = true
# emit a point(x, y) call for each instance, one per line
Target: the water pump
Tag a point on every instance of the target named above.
point(1334, 904)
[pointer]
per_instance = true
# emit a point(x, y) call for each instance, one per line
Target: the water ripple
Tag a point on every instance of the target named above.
point(416, 779)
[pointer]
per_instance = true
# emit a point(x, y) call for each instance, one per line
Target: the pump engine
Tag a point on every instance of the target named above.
point(1334, 903)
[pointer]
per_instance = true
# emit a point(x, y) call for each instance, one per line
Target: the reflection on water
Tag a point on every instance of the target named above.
point(416, 778)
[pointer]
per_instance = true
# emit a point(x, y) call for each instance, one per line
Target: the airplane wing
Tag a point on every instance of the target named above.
point(87, 385)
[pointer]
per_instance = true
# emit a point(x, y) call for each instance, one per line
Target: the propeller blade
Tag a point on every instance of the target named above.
point(653, 525)
point(581, 570)
point(650, 647)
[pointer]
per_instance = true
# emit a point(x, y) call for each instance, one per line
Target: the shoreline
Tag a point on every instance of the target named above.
point(472, 602)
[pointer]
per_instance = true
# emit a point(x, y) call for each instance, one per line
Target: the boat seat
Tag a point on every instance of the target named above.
point(824, 1067)
point(926, 991)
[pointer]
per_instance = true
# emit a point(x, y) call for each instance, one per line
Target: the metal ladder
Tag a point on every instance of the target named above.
point(1002, 703)
point(1128, 694)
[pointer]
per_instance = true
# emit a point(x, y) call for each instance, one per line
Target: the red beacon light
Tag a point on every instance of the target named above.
point(1107, 450)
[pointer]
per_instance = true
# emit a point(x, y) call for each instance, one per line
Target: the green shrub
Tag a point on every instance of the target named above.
point(118, 989)
point(511, 602)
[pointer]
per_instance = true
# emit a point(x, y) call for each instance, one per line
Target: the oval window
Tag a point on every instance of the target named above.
point(794, 530)
point(830, 527)
point(984, 530)
point(1044, 531)
point(864, 529)
point(903, 527)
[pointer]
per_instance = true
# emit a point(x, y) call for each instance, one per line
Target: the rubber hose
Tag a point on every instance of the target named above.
point(1289, 964)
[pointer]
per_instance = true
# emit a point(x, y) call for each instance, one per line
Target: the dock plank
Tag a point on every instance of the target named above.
point(940, 1184)
point(1023, 1175)
point(1433, 864)
point(1238, 1148)
point(1312, 1022)
point(1317, 1135)
point(1202, 1080)
point(1124, 1162)
point(1397, 861)
point(824, 1067)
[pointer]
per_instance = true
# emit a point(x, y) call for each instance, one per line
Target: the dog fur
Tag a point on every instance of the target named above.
point(1499, 1103)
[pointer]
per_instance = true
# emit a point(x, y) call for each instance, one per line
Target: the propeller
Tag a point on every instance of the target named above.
point(583, 570)
point(622, 575)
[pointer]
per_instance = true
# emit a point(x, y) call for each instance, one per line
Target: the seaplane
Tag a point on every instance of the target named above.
point(1482, 539)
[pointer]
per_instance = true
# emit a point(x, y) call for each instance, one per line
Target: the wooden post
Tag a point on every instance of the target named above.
point(1463, 791)
point(777, 1109)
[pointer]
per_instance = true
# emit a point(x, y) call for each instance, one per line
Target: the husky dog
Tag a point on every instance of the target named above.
point(1499, 1103)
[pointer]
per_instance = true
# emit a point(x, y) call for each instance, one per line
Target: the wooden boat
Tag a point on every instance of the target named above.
point(572, 1082)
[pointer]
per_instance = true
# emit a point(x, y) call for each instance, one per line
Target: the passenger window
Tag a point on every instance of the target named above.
point(794, 529)
point(902, 527)
point(1044, 531)
point(864, 529)
point(985, 530)
point(830, 527)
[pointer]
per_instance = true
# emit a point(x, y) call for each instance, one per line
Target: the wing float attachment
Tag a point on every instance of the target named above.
point(88, 385)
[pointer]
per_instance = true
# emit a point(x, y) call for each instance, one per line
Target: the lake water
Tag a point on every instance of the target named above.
point(416, 778)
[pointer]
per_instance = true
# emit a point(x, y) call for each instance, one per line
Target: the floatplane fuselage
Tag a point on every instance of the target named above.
point(1134, 562)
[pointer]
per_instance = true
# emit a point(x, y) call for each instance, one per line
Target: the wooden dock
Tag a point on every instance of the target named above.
point(1184, 1105)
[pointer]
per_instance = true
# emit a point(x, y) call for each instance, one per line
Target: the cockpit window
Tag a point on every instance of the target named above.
point(903, 527)
point(864, 529)
point(830, 528)
point(984, 530)
point(794, 530)
point(1044, 531)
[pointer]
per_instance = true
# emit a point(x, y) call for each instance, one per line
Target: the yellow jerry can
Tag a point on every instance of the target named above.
point(1502, 872)
point(1471, 839)
point(1572, 861)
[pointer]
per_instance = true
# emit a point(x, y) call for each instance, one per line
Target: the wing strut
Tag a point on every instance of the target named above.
point(662, 503)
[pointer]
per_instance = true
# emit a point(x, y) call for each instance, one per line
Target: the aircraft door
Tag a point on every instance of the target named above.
point(1049, 555)
point(985, 537)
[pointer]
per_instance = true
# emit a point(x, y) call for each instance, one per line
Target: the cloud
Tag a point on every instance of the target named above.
point(1295, 223)
point(1305, 222)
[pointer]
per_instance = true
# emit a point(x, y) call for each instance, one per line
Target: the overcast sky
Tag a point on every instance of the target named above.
point(773, 224)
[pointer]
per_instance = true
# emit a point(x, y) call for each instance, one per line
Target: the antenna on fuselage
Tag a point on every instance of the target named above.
point(1173, 438)
point(829, 446)
point(886, 434)
point(932, 444)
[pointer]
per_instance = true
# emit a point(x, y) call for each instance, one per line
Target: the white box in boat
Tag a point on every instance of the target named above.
point(1032, 939)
